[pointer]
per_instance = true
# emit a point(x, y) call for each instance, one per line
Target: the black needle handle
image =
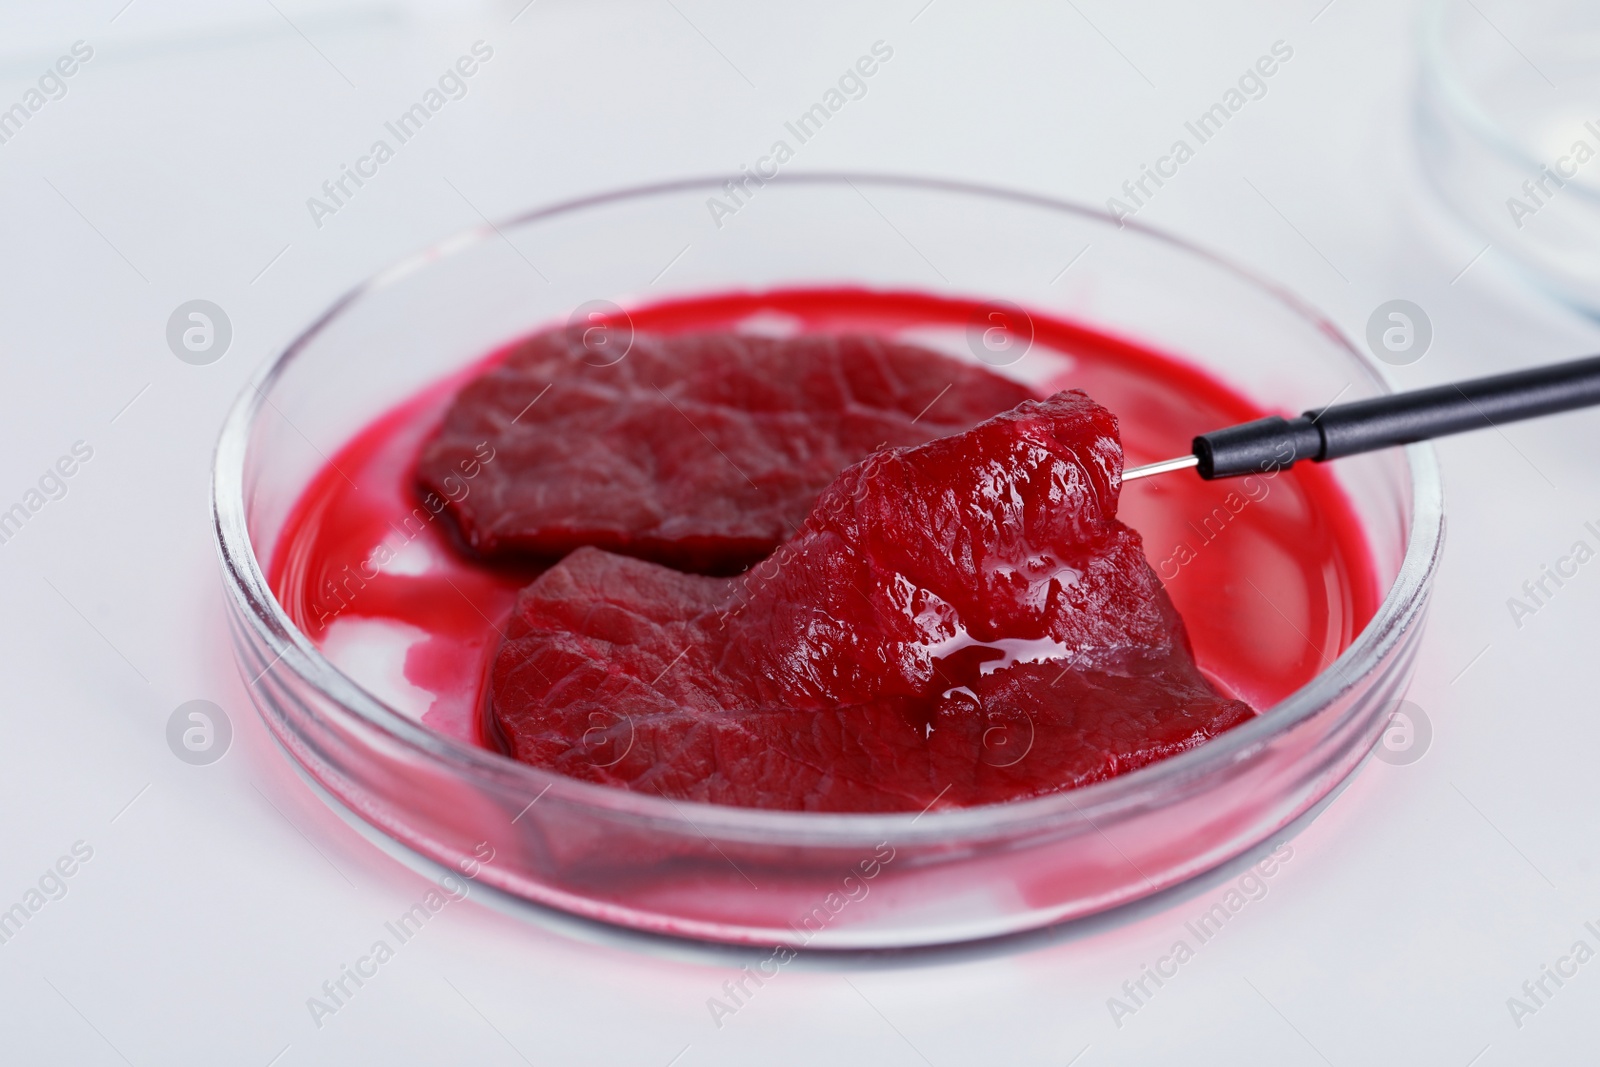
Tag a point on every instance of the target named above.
point(1274, 443)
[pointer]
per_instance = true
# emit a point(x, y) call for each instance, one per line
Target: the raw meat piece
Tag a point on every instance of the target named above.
point(701, 451)
point(961, 622)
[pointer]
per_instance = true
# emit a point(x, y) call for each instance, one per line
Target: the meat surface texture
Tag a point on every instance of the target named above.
point(701, 451)
point(957, 622)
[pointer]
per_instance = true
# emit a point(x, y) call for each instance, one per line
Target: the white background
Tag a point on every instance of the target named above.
point(221, 897)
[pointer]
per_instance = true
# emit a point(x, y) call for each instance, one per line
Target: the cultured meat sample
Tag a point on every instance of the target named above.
point(700, 451)
point(958, 622)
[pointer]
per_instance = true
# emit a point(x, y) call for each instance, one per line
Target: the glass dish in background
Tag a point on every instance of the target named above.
point(1509, 91)
point(747, 875)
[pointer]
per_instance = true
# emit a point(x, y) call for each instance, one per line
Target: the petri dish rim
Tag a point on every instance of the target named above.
point(1147, 788)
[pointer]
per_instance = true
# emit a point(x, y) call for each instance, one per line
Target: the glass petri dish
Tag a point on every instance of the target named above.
point(1508, 124)
point(833, 881)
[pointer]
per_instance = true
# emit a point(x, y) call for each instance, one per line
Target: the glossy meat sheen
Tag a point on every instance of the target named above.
point(963, 621)
point(701, 451)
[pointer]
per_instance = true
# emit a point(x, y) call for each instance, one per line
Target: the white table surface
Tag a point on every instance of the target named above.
point(219, 898)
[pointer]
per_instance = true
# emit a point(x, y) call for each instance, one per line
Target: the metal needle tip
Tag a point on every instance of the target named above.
point(1181, 463)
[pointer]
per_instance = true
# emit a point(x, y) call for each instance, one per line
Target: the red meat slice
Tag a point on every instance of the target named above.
point(964, 622)
point(703, 452)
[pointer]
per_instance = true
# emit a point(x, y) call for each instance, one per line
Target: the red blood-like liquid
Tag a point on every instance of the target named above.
point(1271, 574)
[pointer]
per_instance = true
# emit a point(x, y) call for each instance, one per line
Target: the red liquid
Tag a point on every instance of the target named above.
point(1271, 574)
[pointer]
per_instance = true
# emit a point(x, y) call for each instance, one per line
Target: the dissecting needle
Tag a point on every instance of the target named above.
point(1275, 443)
